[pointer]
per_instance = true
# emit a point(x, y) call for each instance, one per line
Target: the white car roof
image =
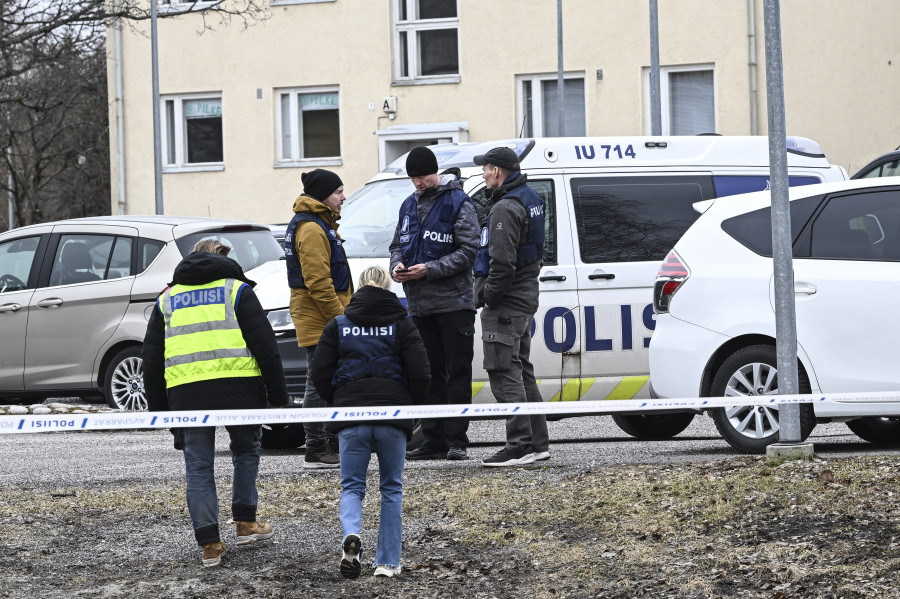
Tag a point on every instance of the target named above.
point(645, 151)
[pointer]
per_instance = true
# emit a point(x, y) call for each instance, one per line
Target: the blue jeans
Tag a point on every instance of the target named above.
point(356, 444)
point(199, 458)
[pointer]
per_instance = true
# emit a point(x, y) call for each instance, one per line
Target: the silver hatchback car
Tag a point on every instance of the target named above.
point(76, 295)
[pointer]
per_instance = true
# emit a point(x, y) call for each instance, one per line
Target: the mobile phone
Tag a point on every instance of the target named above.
point(404, 269)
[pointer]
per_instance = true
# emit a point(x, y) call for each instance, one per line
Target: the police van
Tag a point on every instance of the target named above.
point(615, 206)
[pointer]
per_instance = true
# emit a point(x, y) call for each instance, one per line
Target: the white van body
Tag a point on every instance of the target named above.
point(615, 207)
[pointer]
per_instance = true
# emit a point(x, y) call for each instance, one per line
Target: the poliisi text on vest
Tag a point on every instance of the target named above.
point(198, 297)
point(439, 237)
point(367, 331)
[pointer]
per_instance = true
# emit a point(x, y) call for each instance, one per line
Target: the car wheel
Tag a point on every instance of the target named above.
point(283, 436)
point(752, 371)
point(880, 431)
point(124, 388)
point(653, 427)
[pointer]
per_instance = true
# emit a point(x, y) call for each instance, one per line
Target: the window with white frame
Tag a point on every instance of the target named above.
point(309, 124)
point(426, 41)
point(539, 105)
point(687, 99)
point(193, 130)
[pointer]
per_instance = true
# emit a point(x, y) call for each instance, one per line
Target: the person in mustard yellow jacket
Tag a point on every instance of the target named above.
point(209, 346)
point(321, 287)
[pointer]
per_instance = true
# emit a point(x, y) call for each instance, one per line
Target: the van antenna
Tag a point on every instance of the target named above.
point(207, 211)
point(524, 118)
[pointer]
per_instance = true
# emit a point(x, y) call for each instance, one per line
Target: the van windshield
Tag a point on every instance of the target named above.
point(369, 217)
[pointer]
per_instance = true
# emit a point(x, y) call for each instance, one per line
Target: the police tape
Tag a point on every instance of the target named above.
point(36, 423)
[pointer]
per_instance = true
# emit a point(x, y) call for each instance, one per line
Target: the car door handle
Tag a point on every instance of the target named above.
point(605, 275)
point(805, 289)
point(10, 308)
point(553, 278)
point(50, 302)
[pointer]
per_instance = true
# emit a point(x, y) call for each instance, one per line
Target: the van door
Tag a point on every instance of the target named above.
point(556, 347)
point(624, 226)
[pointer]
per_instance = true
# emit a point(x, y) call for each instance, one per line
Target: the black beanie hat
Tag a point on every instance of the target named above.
point(421, 162)
point(320, 184)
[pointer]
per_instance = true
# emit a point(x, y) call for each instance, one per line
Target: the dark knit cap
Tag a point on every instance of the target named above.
point(421, 162)
point(320, 184)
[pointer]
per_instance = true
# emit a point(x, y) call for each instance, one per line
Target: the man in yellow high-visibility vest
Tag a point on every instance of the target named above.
point(209, 346)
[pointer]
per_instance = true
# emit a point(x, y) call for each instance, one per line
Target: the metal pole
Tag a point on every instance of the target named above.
point(157, 146)
point(120, 118)
point(560, 90)
point(10, 181)
point(782, 253)
point(655, 102)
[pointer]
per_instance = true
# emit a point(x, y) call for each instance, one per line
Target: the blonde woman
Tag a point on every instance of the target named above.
point(372, 355)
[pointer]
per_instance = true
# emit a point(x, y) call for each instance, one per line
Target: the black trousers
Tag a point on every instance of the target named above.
point(449, 339)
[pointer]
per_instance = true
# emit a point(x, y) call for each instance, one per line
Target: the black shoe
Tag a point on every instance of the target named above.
point(424, 453)
point(352, 548)
point(515, 456)
point(319, 455)
point(457, 453)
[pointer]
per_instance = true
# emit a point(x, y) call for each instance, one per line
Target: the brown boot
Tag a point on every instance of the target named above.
point(212, 554)
point(251, 532)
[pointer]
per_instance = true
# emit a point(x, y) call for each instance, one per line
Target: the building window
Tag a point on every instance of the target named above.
point(193, 130)
point(687, 99)
point(309, 128)
point(426, 41)
point(539, 106)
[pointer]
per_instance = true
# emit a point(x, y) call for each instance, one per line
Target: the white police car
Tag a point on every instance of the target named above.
point(614, 208)
point(715, 330)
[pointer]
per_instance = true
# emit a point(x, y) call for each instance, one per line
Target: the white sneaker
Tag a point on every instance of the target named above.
point(540, 456)
point(386, 571)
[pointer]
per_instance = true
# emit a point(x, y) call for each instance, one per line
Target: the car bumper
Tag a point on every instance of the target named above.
point(679, 353)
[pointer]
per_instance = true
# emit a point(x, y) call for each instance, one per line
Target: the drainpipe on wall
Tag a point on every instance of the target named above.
point(120, 134)
point(751, 63)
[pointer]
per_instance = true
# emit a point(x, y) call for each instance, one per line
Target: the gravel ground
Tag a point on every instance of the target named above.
point(102, 514)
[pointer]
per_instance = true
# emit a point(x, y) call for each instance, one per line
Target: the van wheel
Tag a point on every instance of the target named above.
point(124, 383)
point(880, 431)
point(653, 427)
point(752, 371)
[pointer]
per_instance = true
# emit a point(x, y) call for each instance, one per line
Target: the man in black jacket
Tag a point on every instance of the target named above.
point(370, 356)
point(209, 346)
point(506, 284)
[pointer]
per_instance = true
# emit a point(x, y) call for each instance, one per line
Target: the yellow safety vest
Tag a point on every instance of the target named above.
point(203, 336)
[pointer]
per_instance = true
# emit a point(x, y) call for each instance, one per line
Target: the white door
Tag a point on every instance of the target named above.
point(555, 346)
point(846, 292)
point(624, 226)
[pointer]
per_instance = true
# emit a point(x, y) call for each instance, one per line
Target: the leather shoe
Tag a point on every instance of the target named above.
point(424, 453)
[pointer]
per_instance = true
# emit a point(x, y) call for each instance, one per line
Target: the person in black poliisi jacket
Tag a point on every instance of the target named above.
point(200, 373)
point(370, 356)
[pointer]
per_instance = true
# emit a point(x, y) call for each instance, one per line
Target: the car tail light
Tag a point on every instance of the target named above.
point(671, 276)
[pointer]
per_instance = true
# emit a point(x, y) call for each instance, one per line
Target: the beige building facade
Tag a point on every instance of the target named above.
point(349, 85)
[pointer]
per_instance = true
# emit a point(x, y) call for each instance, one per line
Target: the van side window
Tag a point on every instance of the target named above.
point(544, 188)
point(635, 219)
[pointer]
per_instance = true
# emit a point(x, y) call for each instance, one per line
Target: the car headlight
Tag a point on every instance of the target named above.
point(280, 320)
